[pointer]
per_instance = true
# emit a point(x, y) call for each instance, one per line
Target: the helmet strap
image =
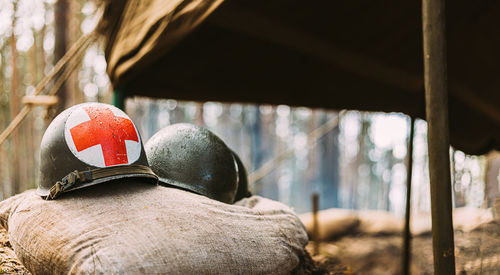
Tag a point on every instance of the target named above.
point(76, 179)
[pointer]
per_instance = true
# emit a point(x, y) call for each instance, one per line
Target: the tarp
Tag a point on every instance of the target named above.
point(361, 54)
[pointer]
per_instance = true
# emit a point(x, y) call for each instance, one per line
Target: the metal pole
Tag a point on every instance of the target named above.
point(119, 99)
point(409, 172)
point(436, 99)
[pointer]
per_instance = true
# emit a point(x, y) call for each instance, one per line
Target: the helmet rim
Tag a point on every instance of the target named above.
point(44, 192)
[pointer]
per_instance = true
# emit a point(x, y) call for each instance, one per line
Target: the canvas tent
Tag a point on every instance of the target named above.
point(364, 55)
point(360, 55)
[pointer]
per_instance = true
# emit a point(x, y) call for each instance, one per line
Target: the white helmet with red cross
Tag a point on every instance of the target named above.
point(87, 144)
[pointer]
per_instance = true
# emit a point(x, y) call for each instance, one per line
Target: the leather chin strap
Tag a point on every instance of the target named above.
point(76, 178)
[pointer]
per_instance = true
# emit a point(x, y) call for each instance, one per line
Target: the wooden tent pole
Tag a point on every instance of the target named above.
point(436, 99)
point(315, 233)
point(409, 173)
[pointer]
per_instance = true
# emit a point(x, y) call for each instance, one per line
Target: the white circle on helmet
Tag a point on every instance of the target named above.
point(102, 135)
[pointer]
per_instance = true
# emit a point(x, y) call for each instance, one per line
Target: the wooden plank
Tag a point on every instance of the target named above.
point(40, 99)
point(436, 99)
point(315, 233)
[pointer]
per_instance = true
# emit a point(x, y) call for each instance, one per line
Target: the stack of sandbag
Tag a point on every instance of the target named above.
point(465, 219)
point(379, 222)
point(334, 223)
point(135, 228)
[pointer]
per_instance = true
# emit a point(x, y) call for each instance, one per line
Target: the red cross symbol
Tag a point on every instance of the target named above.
point(108, 130)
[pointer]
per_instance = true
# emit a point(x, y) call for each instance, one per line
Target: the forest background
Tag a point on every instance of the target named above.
point(359, 163)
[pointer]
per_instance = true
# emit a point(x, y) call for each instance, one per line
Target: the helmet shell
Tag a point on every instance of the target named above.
point(195, 159)
point(243, 186)
point(89, 136)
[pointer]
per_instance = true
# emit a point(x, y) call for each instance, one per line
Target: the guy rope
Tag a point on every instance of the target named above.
point(73, 57)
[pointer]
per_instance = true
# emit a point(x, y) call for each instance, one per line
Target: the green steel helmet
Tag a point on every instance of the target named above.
point(87, 144)
point(243, 187)
point(193, 158)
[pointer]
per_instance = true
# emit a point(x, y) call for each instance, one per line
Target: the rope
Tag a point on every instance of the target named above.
point(312, 138)
point(70, 69)
point(78, 49)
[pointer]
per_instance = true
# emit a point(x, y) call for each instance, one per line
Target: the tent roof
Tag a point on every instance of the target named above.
point(361, 55)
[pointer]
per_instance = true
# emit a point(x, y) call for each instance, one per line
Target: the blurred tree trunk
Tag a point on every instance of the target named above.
point(453, 175)
point(272, 146)
point(245, 138)
point(366, 191)
point(257, 137)
point(491, 178)
point(312, 164)
point(3, 123)
point(354, 167)
point(199, 114)
point(458, 188)
point(329, 165)
point(268, 148)
point(41, 50)
point(30, 141)
point(14, 109)
point(151, 120)
point(387, 185)
point(33, 56)
point(61, 13)
point(224, 125)
point(40, 125)
point(74, 94)
point(179, 113)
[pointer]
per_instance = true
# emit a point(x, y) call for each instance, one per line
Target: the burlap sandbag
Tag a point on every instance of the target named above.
point(136, 228)
point(333, 223)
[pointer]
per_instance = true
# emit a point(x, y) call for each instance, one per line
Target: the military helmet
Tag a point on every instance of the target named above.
point(87, 144)
point(243, 186)
point(194, 159)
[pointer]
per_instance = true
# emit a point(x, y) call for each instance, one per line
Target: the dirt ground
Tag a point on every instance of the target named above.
point(477, 252)
point(9, 264)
